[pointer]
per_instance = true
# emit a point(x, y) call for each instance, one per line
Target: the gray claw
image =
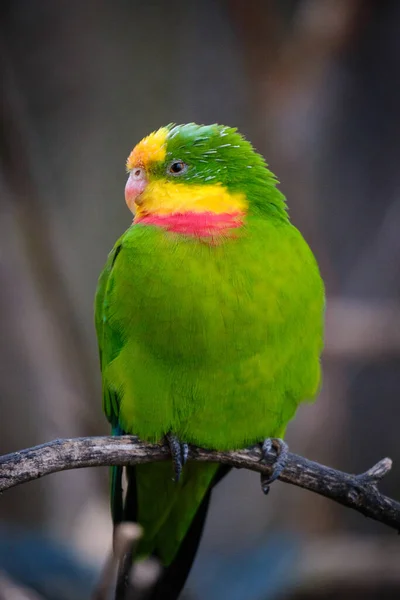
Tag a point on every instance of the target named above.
point(185, 452)
point(282, 450)
point(179, 453)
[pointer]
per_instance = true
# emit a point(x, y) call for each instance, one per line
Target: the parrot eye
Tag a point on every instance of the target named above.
point(178, 167)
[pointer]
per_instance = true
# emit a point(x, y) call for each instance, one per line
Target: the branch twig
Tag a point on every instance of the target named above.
point(359, 492)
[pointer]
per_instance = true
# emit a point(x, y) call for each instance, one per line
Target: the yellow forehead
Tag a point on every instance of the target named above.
point(151, 149)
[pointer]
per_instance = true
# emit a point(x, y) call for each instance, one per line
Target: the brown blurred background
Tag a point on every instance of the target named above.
point(315, 85)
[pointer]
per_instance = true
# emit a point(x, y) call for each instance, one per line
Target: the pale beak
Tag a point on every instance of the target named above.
point(136, 184)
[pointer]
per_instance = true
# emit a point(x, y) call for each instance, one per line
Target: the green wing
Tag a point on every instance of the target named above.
point(110, 398)
point(101, 292)
point(108, 341)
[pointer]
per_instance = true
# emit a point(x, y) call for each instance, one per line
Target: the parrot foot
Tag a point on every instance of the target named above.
point(282, 450)
point(179, 452)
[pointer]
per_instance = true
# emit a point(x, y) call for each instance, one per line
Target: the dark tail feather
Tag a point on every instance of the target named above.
point(173, 577)
point(117, 510)
point(130, 506)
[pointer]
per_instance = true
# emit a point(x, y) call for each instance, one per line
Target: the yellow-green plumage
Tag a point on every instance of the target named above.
point(215, 342)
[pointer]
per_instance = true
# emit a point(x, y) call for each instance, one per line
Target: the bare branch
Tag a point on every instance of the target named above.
point(359, 492)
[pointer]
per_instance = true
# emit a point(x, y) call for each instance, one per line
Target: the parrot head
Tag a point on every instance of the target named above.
point(186, 175)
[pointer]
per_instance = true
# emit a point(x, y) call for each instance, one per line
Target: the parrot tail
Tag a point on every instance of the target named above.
point(173, 577)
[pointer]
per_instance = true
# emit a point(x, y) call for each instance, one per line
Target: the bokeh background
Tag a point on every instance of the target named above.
point(315, 85)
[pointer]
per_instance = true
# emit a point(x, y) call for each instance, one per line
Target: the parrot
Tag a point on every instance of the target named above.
point(209, 315)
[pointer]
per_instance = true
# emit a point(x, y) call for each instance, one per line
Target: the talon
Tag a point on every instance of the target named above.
point(282, 450)
point(179, 453)
point(185, 452)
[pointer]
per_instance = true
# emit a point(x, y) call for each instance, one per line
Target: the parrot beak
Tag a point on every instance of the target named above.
point(136, 184)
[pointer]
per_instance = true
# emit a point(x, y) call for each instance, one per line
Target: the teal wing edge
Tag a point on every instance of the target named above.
point(110, 397)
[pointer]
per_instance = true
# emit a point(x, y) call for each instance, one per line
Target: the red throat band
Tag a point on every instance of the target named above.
point(203, 224)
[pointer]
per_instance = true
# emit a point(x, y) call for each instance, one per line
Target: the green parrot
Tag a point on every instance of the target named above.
point(209, 318)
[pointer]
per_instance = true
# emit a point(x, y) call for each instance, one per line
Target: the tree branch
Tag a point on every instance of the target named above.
point(359, 492)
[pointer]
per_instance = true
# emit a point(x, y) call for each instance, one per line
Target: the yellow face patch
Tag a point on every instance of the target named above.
point(151, 149)
point(168, 197)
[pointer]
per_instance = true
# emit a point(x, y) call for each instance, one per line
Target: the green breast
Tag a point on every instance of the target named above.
point(218, 343)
